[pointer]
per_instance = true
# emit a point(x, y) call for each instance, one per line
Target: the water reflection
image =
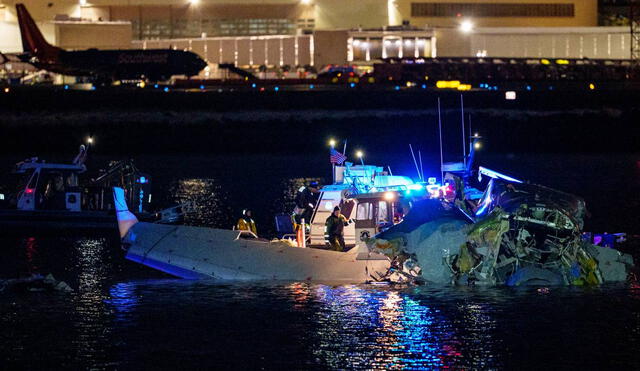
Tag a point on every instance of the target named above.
point(91, 322)
point(389, 329)
point(31, 253)
point(210, 202)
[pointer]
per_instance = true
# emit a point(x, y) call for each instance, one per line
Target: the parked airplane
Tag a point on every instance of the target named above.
point(104, 65)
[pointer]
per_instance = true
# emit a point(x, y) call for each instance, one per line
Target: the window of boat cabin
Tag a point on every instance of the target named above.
point(383, 213)
point(364, 211)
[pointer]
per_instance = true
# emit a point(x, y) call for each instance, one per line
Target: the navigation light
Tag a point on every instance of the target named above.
point(389, 196)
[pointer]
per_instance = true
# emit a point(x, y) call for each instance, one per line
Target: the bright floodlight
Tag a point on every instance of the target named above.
point(477, 145)
point(83, 2)
point(90, 140)
point(305, 2)
point(466, 26)
point(194, 2)
point(359, 154)
point(332, 142)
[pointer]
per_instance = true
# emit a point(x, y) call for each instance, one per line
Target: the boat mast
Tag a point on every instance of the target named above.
point(440, 130)
point(464, 145)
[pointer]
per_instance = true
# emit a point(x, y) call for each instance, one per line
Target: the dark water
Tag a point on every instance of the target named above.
point(125, 316)
point(122, 316)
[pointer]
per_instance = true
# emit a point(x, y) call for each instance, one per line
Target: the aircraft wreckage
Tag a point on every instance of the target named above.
point(522, 234)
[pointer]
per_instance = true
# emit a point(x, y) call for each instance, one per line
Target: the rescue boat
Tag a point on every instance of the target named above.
point(370, 197)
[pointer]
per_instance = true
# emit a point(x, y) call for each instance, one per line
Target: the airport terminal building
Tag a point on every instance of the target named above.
point(271, 34)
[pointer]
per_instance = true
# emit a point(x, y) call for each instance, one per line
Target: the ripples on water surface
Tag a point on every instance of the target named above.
point(124, 316)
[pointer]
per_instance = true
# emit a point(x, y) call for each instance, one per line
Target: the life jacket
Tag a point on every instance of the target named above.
point(246, 224)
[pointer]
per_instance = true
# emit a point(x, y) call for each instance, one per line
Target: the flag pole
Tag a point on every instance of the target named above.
point(333, 168)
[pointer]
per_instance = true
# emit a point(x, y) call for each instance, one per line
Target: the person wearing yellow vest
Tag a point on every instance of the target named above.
point(246, 223)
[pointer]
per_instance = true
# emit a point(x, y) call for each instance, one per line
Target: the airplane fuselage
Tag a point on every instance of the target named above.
point(153, 64)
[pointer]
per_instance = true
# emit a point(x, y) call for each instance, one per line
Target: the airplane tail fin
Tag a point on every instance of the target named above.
point(32, 40)
point(126, 219)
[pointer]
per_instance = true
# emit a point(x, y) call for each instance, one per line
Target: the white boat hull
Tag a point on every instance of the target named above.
point(194, 252)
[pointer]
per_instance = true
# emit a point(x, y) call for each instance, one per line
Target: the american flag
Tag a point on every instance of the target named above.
point(337, 157)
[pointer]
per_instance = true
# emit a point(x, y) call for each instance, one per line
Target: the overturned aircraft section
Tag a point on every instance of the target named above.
point(517, 234)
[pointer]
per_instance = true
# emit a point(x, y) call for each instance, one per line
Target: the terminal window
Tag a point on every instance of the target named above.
point(182, 28)
point(491, 10)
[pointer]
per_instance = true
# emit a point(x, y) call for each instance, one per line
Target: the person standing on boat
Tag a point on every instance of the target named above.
point(306, 201)
point(246, 223)
point(334, 227)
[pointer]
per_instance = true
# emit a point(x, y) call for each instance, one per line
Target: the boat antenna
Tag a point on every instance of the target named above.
point(421, 168)
point(344, 148)
point(440, 130)
point(470, 135)
point(415, 162)
point(390, 172)
point(464, 143)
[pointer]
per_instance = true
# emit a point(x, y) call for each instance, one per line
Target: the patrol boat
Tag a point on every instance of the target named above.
point(367, 194)
point(54, 197)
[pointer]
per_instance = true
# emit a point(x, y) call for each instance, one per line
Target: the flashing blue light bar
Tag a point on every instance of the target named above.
point(142, 180)
point(496, 175)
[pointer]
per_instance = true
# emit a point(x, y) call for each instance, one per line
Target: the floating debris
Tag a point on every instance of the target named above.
point(34, 283)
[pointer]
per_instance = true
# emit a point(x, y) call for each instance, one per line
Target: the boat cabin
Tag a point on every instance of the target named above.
point(49, 186)
point(59, 187)
point(369, 196)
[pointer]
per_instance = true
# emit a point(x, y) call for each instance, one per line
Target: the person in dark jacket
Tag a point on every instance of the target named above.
point(334, 229)
point(306, 201)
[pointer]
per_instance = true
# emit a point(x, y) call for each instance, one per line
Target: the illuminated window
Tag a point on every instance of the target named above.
point(383, 214)
point(364, 211)
point(491, 10)
point(182, 28)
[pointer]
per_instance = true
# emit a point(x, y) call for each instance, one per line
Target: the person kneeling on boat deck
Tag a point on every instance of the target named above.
point(334, 227)
point(246, 223)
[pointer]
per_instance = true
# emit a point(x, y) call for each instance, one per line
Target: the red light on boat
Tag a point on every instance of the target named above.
point(29, 191)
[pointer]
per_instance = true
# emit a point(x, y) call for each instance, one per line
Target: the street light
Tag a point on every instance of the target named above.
point(466, 26)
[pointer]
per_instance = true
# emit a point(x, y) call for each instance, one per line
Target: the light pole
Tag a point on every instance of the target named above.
point(332, 143)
